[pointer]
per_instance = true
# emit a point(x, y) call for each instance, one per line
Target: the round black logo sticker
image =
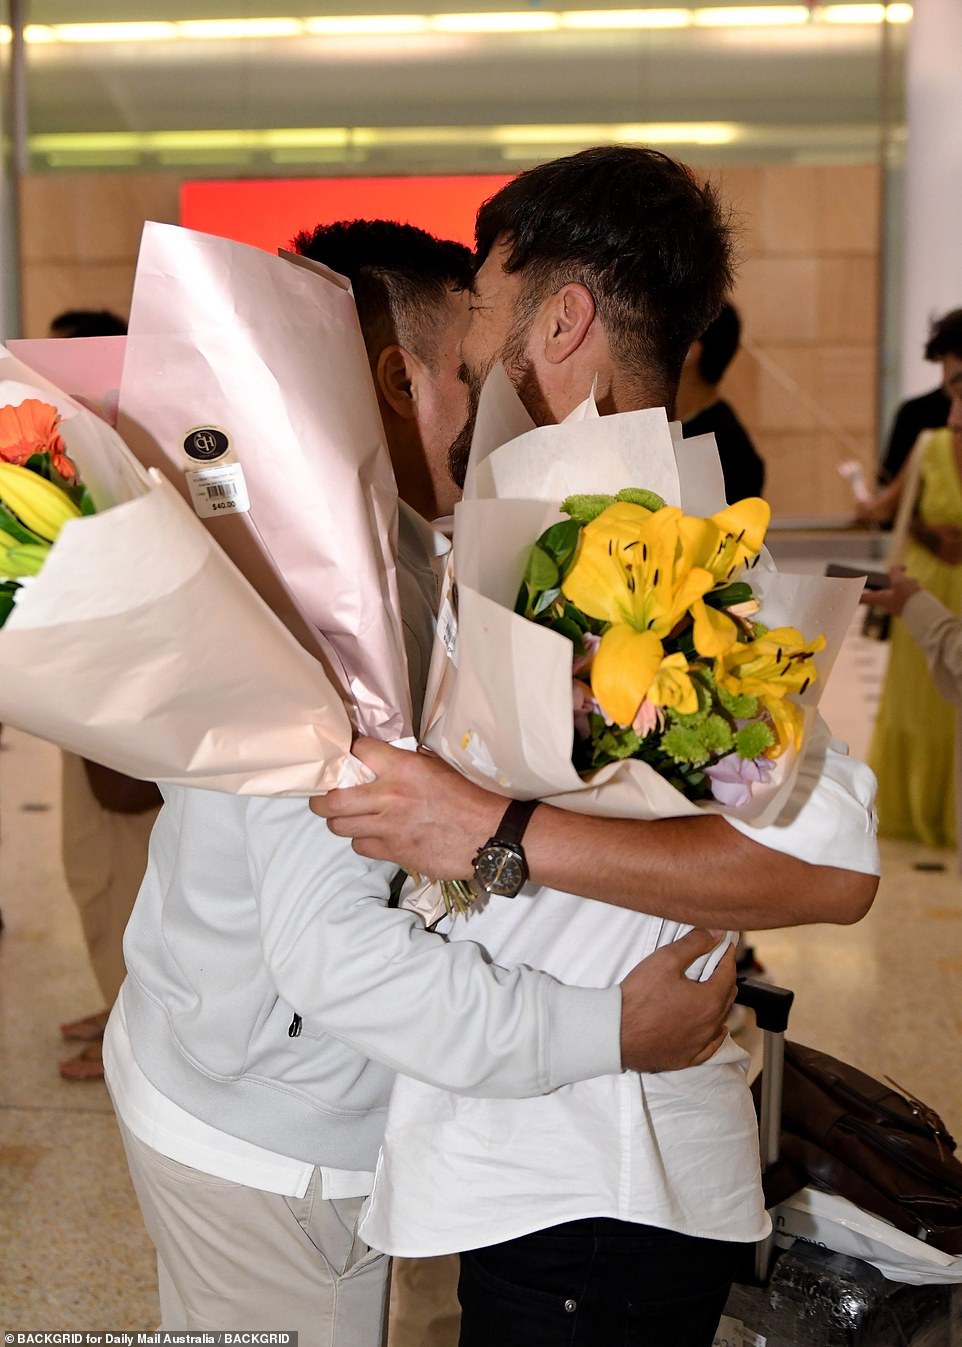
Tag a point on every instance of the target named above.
point(205, 444)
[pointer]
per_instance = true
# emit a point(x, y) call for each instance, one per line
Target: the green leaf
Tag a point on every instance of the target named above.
point(729, 595)
point(9, 523)
point(8, 590)
point(86, 503)
point(560, 541)
point(42, 465)
point(540, 572)
point(543, 602)
point(572, 631)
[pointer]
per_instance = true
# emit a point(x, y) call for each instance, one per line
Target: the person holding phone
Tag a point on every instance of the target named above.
point(911, 749)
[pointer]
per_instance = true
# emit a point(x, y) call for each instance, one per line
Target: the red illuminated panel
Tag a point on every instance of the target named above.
point(270, 212)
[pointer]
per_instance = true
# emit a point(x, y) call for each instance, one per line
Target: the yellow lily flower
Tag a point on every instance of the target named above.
point(771, 666)
point(729, 538)
point(787, 721)
point(630, 568)
point(623, 669)
point(714, 631)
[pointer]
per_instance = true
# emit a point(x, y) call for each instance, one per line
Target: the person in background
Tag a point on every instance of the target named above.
point(926, 412)
point(938, 633)
point(935, 628)
point(702, 410)
point(87, 323)
point(912, 744)
point(106, 820)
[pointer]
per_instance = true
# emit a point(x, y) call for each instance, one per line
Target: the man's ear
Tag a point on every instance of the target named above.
point(569, 314)
point(394, 376)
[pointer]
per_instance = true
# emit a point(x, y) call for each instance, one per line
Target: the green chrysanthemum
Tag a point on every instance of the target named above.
point(684, 745)
point(716, 735)
point(741, 705)
point(752, 740)
point(638, 495)
point(584, 509)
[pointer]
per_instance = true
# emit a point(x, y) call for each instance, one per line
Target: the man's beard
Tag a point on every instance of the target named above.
point(520, 371)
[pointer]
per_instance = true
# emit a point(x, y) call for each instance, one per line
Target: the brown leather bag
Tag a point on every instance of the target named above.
point(870, 1142)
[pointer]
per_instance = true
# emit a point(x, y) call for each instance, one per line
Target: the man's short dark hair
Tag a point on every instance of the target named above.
point(400, 276)
point(945, 337)
point(650, 242)
point(88, 323)
point(719, 342)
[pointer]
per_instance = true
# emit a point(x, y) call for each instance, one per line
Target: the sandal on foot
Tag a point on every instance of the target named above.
point(87, 1065)
point(88, 1030)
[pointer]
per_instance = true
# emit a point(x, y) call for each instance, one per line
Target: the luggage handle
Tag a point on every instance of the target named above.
point(771, 1006)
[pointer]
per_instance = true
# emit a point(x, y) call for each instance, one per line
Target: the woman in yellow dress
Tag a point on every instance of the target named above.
point(912, 749)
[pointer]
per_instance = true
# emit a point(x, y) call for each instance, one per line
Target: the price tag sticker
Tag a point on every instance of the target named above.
point(220, 490)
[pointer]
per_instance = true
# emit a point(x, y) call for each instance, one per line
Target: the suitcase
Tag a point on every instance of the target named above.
point(808, 1296)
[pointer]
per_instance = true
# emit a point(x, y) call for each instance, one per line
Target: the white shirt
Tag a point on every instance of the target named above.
point(678, 1150)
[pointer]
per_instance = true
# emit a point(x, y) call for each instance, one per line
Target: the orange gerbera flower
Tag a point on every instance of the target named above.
point(32, 428)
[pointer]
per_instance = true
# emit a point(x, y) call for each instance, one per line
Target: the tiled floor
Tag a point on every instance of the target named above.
point(884, 994)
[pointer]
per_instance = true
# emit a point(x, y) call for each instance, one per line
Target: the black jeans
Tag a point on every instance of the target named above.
point(596, 1283)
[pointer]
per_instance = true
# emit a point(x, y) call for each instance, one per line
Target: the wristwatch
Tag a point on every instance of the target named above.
point(500, 866)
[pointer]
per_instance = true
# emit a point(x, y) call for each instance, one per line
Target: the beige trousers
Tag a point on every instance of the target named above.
point(235, 1258)
point(104, 859)
point(424, 1302)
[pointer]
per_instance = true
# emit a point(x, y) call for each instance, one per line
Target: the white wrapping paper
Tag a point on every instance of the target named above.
point(141, 646)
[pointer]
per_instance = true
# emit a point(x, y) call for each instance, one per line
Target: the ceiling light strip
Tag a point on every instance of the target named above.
point(304, 139)
point(481, 22)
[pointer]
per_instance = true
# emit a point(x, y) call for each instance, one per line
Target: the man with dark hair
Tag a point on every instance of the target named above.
point(929, 411)
point(622, 284)
point(271, 995)
point(411, 291)
point(611, 1212)
point(702, 412)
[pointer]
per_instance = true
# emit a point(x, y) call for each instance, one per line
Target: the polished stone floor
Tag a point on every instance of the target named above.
point(884, 994)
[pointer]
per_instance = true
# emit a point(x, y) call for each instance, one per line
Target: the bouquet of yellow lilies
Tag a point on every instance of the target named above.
point(642, 658)
point(668, 665)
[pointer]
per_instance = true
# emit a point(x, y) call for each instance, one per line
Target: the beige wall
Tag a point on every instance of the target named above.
point(80, 237)
point(807, 292)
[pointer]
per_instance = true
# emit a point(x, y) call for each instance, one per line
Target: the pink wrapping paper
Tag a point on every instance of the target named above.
point(267, 351)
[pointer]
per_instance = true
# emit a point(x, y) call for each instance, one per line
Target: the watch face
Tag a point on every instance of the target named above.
point(500, 870)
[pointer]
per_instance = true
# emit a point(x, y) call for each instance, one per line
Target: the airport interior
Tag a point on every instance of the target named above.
point(831, 134)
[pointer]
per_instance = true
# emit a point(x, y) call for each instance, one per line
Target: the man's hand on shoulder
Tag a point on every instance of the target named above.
point(669, 1021)
point(419, 813)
